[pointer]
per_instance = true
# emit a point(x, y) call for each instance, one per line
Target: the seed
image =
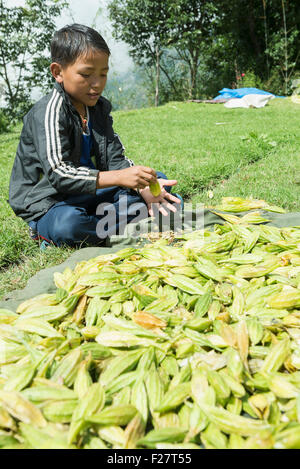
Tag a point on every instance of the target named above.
point(18, 407)
point(186, 342)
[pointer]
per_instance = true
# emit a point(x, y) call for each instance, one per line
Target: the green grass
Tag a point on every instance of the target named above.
point(20, 257)
point(207, 148)
point(201, 145)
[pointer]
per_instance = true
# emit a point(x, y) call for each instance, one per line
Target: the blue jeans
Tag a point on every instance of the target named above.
point(74, 220)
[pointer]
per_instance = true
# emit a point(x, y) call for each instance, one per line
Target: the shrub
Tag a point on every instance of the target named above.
point(249, 80)
point(4, 122)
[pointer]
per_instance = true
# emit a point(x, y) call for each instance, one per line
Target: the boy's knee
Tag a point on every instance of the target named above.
point(68, 230)
point(161, 175)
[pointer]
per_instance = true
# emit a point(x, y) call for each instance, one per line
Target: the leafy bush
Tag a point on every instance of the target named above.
point(4, 122)
point(249, 80)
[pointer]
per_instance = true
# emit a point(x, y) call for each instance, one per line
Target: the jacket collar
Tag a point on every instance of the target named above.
point(102, 104)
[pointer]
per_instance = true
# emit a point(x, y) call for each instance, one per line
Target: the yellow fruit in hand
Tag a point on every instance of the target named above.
point(155, 188)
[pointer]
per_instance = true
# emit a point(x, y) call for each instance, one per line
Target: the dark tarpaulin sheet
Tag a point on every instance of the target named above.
point(42, 281)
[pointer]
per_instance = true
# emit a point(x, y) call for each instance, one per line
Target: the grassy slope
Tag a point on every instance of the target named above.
point(20, 257)
point(200, 145)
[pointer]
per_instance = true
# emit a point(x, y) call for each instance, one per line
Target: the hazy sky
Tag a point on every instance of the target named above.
point(84, 11)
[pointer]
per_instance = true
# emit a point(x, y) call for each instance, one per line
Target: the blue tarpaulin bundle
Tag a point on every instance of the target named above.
point(227, 93)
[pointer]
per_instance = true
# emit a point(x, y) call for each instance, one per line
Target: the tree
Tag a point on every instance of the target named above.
point(284, 45)
point(142, 24)
point(191, 27)
point(262, 36)
point(25, 35)
point(152, 26)
point(212, 41)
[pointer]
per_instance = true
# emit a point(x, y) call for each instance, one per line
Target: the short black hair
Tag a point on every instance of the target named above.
point(73, 41)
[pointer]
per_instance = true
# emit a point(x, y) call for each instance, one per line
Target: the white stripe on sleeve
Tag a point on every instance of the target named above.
point(53, 142)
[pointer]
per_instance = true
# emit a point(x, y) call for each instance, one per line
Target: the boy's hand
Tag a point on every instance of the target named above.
point(163, 200)
point(136, 177)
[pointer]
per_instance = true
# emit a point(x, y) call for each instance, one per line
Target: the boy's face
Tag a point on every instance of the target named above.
point(85, 79)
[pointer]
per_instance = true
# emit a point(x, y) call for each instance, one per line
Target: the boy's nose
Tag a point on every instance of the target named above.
point(95, 88)
point(96, 84)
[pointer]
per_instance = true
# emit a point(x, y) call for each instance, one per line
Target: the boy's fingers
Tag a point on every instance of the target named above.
point(148, 177)
point(150, 210)
point(168, 182)
point(170, 207)
point(163, 211)
point(143, 183)
point(149, 171)
point(172, 198)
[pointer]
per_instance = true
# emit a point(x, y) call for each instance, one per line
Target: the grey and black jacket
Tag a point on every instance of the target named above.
point(47, 167)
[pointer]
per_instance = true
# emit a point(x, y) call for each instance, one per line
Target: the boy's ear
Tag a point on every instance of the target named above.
point(56, 71)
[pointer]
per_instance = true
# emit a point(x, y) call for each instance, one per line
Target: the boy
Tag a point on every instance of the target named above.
point(69, 161)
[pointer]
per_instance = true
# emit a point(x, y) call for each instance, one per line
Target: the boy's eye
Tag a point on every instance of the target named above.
point(87, 76)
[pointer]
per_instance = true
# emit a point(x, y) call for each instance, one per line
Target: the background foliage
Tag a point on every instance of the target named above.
point(207, 45)
point(25, 35)
point(182, 49)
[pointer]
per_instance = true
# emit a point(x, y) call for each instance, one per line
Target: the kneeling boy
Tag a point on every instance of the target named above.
point(69, 160)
